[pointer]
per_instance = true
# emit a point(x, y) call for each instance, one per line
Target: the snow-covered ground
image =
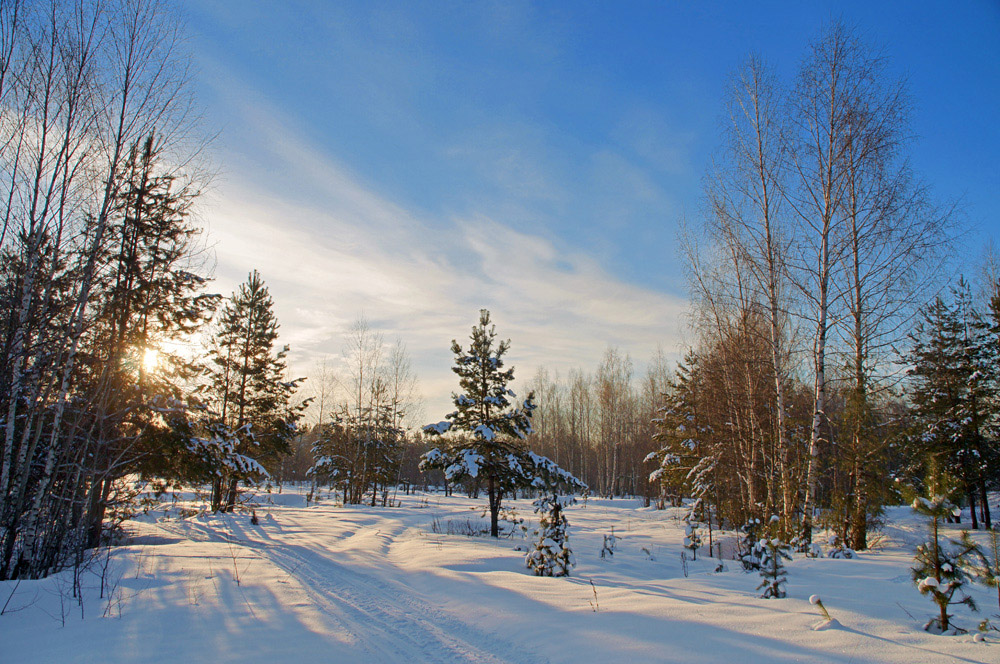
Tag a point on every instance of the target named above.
point(327, 583)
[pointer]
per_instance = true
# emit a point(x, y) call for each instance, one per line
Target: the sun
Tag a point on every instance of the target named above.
point(150, 359)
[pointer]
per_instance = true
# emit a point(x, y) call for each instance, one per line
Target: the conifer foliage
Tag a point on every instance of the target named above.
point(250, 415)
point(772, 553)
point(955, 387)
point(551, 555)
point(492, 454)
point(692, 539)
point(97, 266)
point(939, 565)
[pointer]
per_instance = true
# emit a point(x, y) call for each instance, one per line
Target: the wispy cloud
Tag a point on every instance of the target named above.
point(332, 247)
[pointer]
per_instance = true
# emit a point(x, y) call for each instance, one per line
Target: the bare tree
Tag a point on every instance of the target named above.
point(894, 244)
point(835, 72)
point(746, 191)
point(81, 84)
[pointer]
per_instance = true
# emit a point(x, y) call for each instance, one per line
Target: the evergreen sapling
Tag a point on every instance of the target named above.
point(838, 549)
point(692, 539)
point(749, 536)
point(771, 553)
point(608, 548)
point(938, 566)
point(551, 555)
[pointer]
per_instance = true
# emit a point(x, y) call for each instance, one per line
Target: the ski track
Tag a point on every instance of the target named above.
point(389, 620)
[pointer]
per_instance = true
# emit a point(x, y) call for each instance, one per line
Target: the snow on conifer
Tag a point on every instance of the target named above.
point(749, 552)
point(939, 565)
point(771, 553)
point(692, 539)
point(551, 555)
point(838, 549)
point(493, 453)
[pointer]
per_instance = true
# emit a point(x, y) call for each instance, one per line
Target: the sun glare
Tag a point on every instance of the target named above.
point(150, 359)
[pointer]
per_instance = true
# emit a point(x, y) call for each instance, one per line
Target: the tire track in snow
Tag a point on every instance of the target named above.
point(386, 616)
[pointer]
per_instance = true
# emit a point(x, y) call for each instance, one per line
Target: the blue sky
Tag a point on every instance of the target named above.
point(416, 161)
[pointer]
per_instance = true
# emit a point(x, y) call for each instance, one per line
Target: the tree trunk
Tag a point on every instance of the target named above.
point(494, 508)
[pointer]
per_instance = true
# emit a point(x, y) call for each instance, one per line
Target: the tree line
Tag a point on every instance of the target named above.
point(103, 288)
point(812, 389)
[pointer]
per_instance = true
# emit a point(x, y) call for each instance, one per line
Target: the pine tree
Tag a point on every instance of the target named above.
point(692, 539)
point(147, 299)
point(939, 566)
point(493, 453)
point(749, 538)
point(680, 433)
point(249, 397)
point(954, 384)
point(838, 549)
point(771, 552)
point(551, 555)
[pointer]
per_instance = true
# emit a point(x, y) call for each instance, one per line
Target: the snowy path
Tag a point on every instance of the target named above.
point(358, 584)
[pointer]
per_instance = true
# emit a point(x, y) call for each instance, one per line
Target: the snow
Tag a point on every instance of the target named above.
point(484, 432)
point(468, 463)
point(362, 584)
point(439, 428)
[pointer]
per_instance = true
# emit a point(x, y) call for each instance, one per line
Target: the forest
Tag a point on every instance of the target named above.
point(842, 358)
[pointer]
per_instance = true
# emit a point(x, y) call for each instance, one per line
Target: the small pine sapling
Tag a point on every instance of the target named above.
point(938, 566)
point(828, 621)
point(749, 536)
point(817, 602)
point(692, 539)
point(838, 549)
point(608, 548)
point(551, 555)
point(771, 552)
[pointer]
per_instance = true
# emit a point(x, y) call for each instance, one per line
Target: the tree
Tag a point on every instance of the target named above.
point(746, 189)
point(939, 566)
point(493, 452)
point(772, 552)
point(248, 394)
point(835, 73)
point(615, 402)
point(692, 538)
point(953, 385)
point(361, 447)
point(551, 555)
point(147, 299)
point(681, 433)
point(83, 85)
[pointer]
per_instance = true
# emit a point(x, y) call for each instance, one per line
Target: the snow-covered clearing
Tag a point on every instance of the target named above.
point(360, 584)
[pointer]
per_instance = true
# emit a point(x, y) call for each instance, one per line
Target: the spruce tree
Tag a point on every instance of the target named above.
point(249, 397)
point(748, 539)
point(551, 555)
point(146, 300)
point(954, 378)
point(681, 435)
point(772, 553)
point(692, 539)
point(493, 453)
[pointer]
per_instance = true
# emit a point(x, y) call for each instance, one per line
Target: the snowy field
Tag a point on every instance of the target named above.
point(328, 583)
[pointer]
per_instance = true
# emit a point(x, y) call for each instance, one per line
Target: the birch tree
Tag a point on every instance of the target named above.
point(746, 191)
point(81, 84)
point(834, 73)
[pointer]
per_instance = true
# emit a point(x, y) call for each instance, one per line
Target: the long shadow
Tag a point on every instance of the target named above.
point(908, 646)
point(644, 633)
